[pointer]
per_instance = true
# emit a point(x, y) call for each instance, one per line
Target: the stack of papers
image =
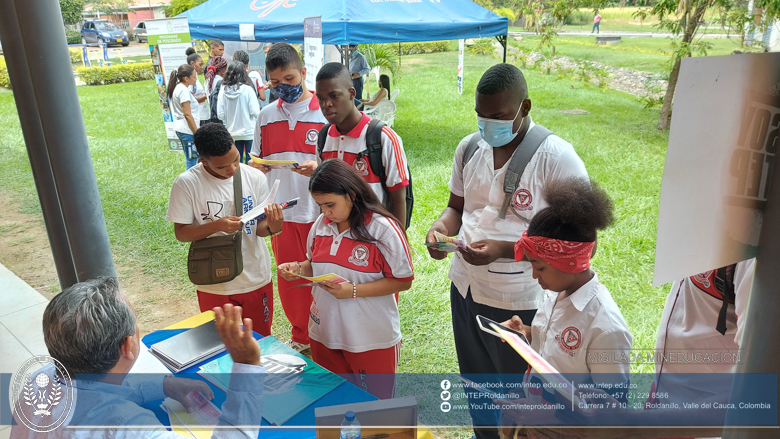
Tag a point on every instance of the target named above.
point(190, 347)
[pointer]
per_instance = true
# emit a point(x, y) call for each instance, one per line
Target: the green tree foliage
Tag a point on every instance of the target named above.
point(683, 18)
point(178, 6)
point(110, 7)
point(71, 10)
point(487, 4)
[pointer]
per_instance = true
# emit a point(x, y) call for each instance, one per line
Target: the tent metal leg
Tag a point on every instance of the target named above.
point(502, 39)
point(40, 30)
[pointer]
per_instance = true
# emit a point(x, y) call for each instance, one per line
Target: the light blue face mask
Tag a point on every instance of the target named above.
point(498, 132)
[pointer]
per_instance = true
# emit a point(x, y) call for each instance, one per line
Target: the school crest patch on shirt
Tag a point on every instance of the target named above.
point(311, 137)
point(521, 199)
point(359, 256)
point(570, 339)
point(361, 166)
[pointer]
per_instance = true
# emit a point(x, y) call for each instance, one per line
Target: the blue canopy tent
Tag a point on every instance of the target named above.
point(347, 22)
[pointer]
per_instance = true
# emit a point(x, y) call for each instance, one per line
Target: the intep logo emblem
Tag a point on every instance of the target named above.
point(269, 6)
point(42, 394)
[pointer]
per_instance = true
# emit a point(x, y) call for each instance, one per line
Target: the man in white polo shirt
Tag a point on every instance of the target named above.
point(287, 130)
point(346, 139)
point(486, 280)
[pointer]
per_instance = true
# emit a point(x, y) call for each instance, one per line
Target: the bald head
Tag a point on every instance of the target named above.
point(503, 78)
point(338, 71)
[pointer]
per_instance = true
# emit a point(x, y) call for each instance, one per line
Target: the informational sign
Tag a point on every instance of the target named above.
point(461, 47)
point(169, 38)
point(246, 31)
point(722, 144)
point(313, 49)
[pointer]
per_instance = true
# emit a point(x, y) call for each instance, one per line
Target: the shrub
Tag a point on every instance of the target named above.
point(425, 47)
point(5, 81)
point(482, 46)
point(116, 73)
point(578, 17)
point(73, 37)
point(76, 54)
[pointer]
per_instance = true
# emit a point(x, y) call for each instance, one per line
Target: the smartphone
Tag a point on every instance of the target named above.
point(484, 324)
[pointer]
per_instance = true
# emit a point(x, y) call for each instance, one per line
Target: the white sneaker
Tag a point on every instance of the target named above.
point(298, 347)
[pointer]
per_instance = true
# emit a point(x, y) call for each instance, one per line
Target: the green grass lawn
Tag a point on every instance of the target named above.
point(617, 141)
point(621, 19)
point(637, 53)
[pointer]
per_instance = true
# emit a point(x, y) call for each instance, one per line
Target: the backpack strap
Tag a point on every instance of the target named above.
point(238, 192)
point(724, 282)
point(520, 158)
point(321, 138)
point(374, 152)
point(471, 148)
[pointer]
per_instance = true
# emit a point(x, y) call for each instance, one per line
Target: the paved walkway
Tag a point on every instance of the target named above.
point(21, 333)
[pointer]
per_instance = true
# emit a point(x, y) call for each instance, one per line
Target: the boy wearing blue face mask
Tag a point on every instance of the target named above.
point(287, 130)
point(486, 280)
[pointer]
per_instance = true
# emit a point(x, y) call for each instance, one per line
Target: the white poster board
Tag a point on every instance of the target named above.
point(461, 47)
point(723, 140)
point(169, 38)
point(314, 52)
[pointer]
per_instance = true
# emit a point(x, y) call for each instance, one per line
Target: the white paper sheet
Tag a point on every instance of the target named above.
point(260, 208)
point(148, 363)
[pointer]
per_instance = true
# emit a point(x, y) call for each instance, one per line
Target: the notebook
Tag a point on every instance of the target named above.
point(190, 347)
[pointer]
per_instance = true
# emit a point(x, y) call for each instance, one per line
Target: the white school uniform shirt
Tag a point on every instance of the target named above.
point(365, 323)
point(505, 283)
point(203, 113)
point(198, 197)
point(687, 328)
point(585, 325)
point(289, 132)
point(182, 94)
point(347, 147)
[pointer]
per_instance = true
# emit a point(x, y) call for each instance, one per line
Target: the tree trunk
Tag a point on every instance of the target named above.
point(664, 119)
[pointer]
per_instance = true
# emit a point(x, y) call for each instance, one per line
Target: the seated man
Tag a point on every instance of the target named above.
point(91, 329)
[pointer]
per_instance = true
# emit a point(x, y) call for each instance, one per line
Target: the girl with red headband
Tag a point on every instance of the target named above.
point(579, 322)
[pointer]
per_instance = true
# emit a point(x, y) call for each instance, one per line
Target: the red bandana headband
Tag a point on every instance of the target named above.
point(567, 256)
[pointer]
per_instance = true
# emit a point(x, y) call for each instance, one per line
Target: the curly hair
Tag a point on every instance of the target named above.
point(212, 140)
point(577, 209)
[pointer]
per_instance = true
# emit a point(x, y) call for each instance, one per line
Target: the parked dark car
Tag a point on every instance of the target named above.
point(103, 31)
point(140, 33)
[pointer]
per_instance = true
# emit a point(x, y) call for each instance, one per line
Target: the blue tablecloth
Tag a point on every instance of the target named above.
point(343, 394)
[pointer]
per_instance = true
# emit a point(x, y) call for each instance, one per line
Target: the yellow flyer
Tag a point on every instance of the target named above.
point(275, 164)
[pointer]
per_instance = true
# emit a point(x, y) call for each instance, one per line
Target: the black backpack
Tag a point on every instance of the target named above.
point(374, 153)
point(213, 102)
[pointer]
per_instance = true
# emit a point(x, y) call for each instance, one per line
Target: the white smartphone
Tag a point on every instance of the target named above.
point(484, 324)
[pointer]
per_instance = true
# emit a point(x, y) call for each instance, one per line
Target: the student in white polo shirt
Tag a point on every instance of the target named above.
point(691, 324)
point(287, 130)
point(486, 280)
point(578, 329)
point(579, 320)
point(346, 139)
point(355, 327)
